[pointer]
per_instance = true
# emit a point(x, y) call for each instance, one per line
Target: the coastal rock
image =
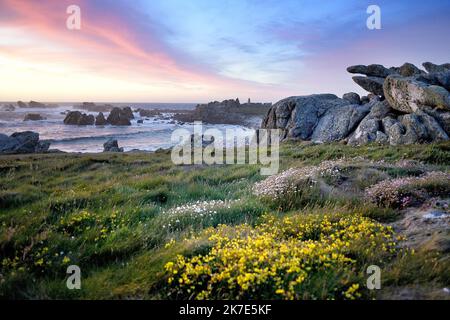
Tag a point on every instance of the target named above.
point(406, 105)
point(439, 79)
point(128, 112)
point(365, 99)
point(22, 104)
point(33, 117)
point(373, 70)
point(78, 118)
point(111, 146)
point(433, 68)
point(371, 84)
point(352, 97)
point(442, 117)
point(299, 116)
point(120, 117)
point(339, 122)
point(100, 120)
point(409, 95)
point(369, 128)
point(22, 142)
point(413, 128)
point(226, 112)
point(409, 70)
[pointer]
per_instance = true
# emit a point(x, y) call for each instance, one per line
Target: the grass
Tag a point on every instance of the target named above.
point(113, 215)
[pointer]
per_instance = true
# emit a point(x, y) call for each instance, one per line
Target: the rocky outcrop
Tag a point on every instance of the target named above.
point(409, 70)
point(117, 117)
point(299, 116)
point(33, 117)
point(120, 117)
point(407, 94)
point(371, 84)
point(413, 128)
point(22, 104)
point(352, 97)
point(226, 112)
point(372, 70)
point(100, 120)
point(370, 128)
point(22, 142)
point(78, 118)
point(111, 146)
point(406, 105)
point(337, 123)
point(433, 68)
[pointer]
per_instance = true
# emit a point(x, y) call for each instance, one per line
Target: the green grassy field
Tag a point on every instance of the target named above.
point(140, 227)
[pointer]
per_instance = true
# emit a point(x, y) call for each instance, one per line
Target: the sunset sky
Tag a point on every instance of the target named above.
point(202, 50)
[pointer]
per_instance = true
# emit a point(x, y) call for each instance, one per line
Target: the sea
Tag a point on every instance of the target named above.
point(152, 134)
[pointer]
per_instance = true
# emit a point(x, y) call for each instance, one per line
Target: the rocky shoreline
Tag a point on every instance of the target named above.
point(405, 105)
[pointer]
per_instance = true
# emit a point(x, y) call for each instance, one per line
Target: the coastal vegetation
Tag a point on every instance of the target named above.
point(139, 226)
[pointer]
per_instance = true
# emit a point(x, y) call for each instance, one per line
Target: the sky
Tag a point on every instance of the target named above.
point(204, 50)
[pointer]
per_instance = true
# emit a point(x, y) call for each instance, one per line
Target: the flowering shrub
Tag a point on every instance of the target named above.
point(283, 259)
point(402, 192)
point(277, 186)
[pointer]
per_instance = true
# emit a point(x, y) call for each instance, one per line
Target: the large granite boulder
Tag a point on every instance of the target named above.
point(22, 142)
point(299, 116)
point(78, 118)
point(407, 94)
point(120, 117)
point(337, 123)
